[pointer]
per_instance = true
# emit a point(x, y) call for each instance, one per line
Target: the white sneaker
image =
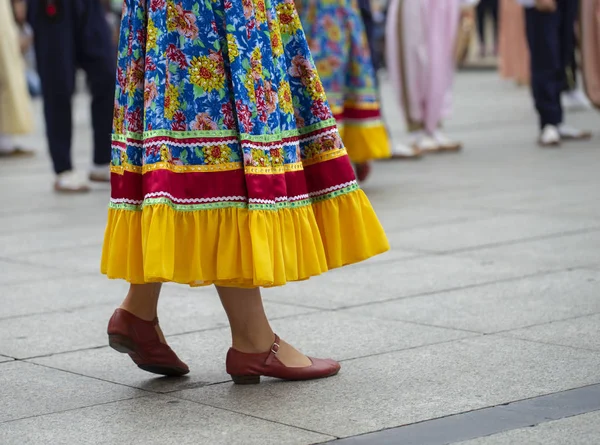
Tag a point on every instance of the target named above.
point(445, 143)
point(70, 182)
point(575, 100)
point(403, 151)
point(573, 134)
point(550, 137)
point(426, 144)
point(100, 173)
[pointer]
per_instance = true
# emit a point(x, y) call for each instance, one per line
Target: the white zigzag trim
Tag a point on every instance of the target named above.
point(261, 201)
point(316, 136)
point(234, 198)
point(125, 201)
point(269, 146)
point(193, 200)
point(189, 144)
point(332, 189)
point(130, 144)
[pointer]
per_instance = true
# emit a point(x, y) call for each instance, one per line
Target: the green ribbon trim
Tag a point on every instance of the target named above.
point(240, 205)
point(224, 133)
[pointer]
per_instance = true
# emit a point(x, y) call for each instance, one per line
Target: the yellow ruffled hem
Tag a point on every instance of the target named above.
point(238, 247)
point(365, 143)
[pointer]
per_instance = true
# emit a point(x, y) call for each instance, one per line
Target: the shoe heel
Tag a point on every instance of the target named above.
point(120, 343)
point(245, 379)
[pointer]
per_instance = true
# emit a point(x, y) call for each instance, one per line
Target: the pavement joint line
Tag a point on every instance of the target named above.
point(74, 409)
point(522, 240)
point(52, 278)
point(264, 419)
point(91, 306)
point(62, 249)
point(501, 333)
point(574, 317)
point(410, 348)
point(465, 287)
point(57, 311)
point(539, 342)
point(562, 213)
point(446, 222)
point(178, 334)
point(486, 246)
point(89, 377)
point(486, 421)
point(421, 254)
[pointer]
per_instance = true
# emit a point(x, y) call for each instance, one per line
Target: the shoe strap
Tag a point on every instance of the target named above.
point(274, 350)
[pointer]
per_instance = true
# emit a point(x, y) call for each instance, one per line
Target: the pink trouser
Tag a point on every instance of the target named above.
point(420, 41)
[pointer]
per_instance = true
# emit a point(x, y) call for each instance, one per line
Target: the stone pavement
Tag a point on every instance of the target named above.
point(489, 296)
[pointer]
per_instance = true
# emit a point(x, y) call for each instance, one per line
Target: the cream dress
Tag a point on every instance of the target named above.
point(15, 103)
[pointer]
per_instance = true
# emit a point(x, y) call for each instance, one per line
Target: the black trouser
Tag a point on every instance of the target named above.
point(367, 18)
point(76, 35)
point(551, 45)
point(484, 7)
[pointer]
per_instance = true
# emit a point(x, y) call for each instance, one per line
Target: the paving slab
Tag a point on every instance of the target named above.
point(204, 352)
point(404, 387)
point(85, 327)
point(344, 335)
point(59, 293)
point(552, 198)
point(578, 430)
point(339, 335)
point(28, 390)
point(405, 218)
point(500, 306)
point(485, 421)
point(577, 250)
point(579, 332)
point(20, 222)
point(58, 240)
point(363, 284)
point(153, 420)
point(86, 261)
point(495, 230)
point(12, 272)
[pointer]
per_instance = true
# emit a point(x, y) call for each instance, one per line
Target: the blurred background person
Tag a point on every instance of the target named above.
point(590, 49)
point(420, 54)
point(15, 110)
point(550, 33)
point(338, 42)
point(573, 98)
point(485, 9)
point(68, 35)
point(26, 44)
point(512, 43)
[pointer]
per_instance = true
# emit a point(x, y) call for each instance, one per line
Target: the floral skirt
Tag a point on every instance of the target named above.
point(227, 166)
point(338, 42)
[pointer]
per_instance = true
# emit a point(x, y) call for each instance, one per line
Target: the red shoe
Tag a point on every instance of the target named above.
point(362, 171)
point(247, 368)
point(138, 338)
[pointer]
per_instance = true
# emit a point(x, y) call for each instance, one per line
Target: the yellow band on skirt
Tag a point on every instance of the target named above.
point(365, 143)
point(240, 247)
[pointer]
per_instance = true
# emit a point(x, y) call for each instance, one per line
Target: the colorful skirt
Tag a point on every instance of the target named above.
point(227, 167)
point(338, 43)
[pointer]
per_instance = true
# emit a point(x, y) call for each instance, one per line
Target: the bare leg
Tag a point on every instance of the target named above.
point(142, 301)
point(250, 328)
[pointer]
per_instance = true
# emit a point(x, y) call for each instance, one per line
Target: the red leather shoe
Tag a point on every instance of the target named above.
point(138, 338)
point(246, 369)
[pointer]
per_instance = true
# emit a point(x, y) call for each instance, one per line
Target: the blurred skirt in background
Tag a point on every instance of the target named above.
point(590, 48)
